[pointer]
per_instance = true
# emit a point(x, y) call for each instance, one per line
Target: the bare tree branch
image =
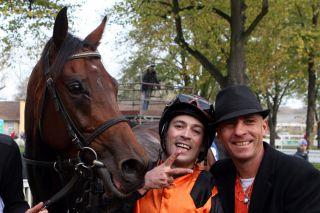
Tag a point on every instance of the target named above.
point(263, 12)
point(222, 14)
point(195, 53)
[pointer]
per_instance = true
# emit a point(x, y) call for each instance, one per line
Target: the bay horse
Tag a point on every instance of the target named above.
point(80, 152)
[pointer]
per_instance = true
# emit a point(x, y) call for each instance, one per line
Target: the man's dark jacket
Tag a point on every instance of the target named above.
point(11, 185)
point(283, 184)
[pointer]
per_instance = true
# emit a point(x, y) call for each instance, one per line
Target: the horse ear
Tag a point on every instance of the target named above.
point(95, 36)
point(60, 28)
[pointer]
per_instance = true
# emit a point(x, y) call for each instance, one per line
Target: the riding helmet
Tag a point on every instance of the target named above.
point(194, 106)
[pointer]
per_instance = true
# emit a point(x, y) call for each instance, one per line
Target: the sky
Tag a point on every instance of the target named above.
point(86, 19)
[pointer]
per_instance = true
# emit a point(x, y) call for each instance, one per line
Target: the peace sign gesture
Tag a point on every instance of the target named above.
point(163, 175)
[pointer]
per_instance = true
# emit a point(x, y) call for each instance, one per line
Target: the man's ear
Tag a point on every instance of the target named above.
point(265, 127)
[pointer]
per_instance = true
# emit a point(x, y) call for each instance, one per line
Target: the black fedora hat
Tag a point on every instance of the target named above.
point(235, 101)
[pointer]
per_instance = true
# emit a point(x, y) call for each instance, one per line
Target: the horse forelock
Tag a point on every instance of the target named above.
point(70, 45)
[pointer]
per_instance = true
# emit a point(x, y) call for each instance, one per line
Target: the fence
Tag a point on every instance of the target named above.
point(131, 99)
point(285, 140)
point(27, 192)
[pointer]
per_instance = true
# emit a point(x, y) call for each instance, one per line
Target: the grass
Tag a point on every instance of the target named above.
point(317, 165)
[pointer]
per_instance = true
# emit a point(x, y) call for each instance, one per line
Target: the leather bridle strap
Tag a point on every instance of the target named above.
point(85, 55)
point(71, 128)
point(37, 162)
point(103, 127)
point(75, 178)
point(77, 137)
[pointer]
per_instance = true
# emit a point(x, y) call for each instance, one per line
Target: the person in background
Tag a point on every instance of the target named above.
point(11, 184)
point(13, 134)
point(149, 78)
point(256, 177)
point(179, 183)
point(302, 151)
point(212, 156)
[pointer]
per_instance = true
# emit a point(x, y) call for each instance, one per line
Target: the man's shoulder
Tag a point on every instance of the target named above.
point(7, 144)
point(202, 188)
point(286, 164)
point(6, 140)
point(221, 167)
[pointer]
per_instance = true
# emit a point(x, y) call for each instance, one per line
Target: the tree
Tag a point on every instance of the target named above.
point(22, 90)
point(21, 20)
point(306, 17)
point(191, 24)
point(272, 68)
point(24, 28)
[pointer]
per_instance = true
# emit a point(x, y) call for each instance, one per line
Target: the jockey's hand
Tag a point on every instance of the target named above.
point(37, 209)
point(163, 175)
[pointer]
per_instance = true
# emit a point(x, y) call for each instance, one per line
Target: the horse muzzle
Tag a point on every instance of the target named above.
point(123, 182)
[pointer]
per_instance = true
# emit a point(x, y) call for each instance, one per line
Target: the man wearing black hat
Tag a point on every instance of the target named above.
point(258, 178)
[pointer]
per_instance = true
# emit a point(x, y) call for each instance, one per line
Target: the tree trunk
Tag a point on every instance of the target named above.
point(311, 85)
point(236, 65)
point(318, 135)
point(273, 105)
point(272, 131)
point(311, 99)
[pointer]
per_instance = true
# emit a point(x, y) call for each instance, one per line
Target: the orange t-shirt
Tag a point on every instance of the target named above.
point(175, 198)
point(241, 204)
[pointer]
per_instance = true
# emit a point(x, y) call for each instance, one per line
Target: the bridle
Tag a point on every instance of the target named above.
point(77, 138)
point(82, 143)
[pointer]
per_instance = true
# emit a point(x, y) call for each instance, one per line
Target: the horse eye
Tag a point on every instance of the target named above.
point(75, 88)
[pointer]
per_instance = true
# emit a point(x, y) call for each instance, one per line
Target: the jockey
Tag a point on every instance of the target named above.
point(179, 183)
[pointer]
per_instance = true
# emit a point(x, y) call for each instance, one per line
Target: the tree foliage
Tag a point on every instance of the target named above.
point(21, 18)
point(201, 37)
point(267, 44)
point(24, 29)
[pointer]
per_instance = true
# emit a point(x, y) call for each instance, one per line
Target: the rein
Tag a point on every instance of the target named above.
point(78, 139)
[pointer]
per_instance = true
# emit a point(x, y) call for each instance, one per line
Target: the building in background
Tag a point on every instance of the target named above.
point(12, 117)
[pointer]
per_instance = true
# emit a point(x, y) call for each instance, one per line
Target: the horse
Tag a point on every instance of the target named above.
point(80, 151)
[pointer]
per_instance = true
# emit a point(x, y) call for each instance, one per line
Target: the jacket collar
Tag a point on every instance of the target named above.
point(263, 180)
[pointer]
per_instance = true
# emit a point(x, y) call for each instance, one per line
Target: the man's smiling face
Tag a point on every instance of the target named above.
point(185, 133)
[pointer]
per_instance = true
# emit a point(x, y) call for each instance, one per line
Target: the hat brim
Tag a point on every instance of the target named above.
point(239, 113)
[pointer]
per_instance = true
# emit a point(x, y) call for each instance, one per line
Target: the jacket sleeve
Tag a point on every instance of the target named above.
point(303, 193)
point(11, 185)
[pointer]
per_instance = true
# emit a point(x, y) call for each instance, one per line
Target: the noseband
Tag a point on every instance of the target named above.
point(82, 143)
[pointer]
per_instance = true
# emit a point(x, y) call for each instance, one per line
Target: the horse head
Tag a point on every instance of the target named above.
point(72, 113)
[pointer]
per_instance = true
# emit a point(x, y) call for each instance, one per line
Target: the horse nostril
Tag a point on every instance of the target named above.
point(133, 169)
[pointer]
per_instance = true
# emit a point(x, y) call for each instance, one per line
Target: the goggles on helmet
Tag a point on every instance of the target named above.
point(195, 100)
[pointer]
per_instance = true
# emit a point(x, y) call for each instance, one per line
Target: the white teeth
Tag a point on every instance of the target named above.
point(184, 146)
point(245, 143)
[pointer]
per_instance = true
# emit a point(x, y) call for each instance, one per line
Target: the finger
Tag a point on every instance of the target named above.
point(179, 171)
point(172, 158)
point(36, 208)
